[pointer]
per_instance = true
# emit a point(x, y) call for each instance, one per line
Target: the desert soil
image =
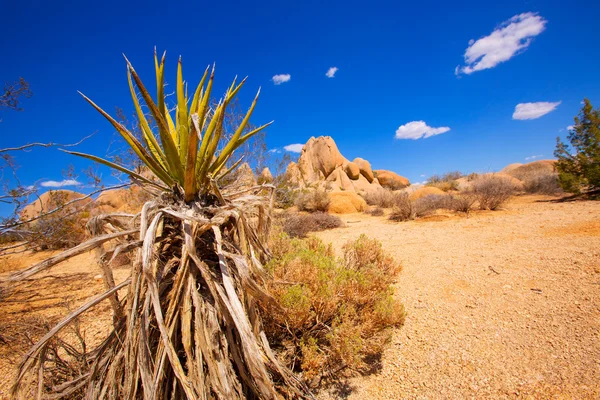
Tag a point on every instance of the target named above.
point(501, 304)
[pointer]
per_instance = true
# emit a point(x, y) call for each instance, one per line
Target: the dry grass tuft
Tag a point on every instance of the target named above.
point(541, 182)
point(299, 225)
point(376, 212)
point(312, 200)
point(404, 208)
point(335, 312)
point(384, 198)
point(492, 191)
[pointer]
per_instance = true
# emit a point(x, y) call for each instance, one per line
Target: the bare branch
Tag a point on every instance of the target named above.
point(39, 144)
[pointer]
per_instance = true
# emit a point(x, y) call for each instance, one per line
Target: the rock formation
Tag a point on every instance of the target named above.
point(322, 166)
point(391, 180)
point(51, 200)
point(346, 203)
point(265, 176)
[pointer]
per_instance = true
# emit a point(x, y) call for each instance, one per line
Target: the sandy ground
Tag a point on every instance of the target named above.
point(500, 305)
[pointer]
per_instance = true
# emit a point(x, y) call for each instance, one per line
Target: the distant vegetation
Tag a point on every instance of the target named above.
point(579, 164)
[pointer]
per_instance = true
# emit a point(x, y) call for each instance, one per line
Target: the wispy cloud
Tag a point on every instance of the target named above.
point(509, 39)
point(281, 78)
point(294, 148)
point(63, 183)
point(418, 130)
point(534, 110)
point(331, 72)
point(570, 127)
point(276, 150)
point(533, 157)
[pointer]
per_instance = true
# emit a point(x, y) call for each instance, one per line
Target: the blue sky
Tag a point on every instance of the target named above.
point(396, 65)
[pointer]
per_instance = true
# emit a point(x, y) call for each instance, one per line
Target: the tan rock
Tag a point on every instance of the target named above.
point(245, 176)
point(339, 180)
point(266, 176)
point(510, 167)
point(525, 171)
point(352, 171)
point(365, 168)
point(425, 191)
point(346, 203)
point(51, 200)
point(516, 182)
point(320, 157)
point(391, 180)
point(362, 185)
point(293, 176)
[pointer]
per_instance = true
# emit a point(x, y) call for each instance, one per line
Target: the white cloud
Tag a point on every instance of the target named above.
point(281, 78)
point(276, 150)
point(418, 130)
point(294, 148)
point(331, 72)
point(65, 182)
point(533, 157)
point(570, 127)
point(509, 39)
point(534, 110)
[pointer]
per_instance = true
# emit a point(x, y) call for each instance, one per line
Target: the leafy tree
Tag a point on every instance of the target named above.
point(579, 167)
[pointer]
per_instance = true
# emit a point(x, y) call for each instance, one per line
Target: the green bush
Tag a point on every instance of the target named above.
point(335, 312)
point(579, 167)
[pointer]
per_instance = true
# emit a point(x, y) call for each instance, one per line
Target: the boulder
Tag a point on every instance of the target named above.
point(346, 203)
point(425, 191)
point(363, 185)
point(319, 158)
point(265, 176)
point(365, 168)
point(516, 182)
point(129, 200)
point(293, 176)
point(533, 168)
point(245, 176)
point(391, 180)
point(51, 200)
point(510, 167)
point(352, 171)
point(339, 180)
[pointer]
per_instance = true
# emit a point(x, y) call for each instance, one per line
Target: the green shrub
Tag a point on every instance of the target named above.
point(336, 312)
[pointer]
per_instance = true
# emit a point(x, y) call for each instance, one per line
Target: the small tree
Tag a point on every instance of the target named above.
point(579, 168)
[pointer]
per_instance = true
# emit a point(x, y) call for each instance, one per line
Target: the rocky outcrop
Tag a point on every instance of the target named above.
point(265, 176)
point(245, 176)
point(293, 175)
point(53, 199)
point(352, 171)
point(525, 171)
point(391, 180)
point(365, 168)
point(346, 203)
point(319, 158)
point(321, 165)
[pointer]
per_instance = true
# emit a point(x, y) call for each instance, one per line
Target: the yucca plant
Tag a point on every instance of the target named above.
point(190, 325)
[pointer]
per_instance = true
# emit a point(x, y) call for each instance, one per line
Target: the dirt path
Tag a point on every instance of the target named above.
point(500, 305)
